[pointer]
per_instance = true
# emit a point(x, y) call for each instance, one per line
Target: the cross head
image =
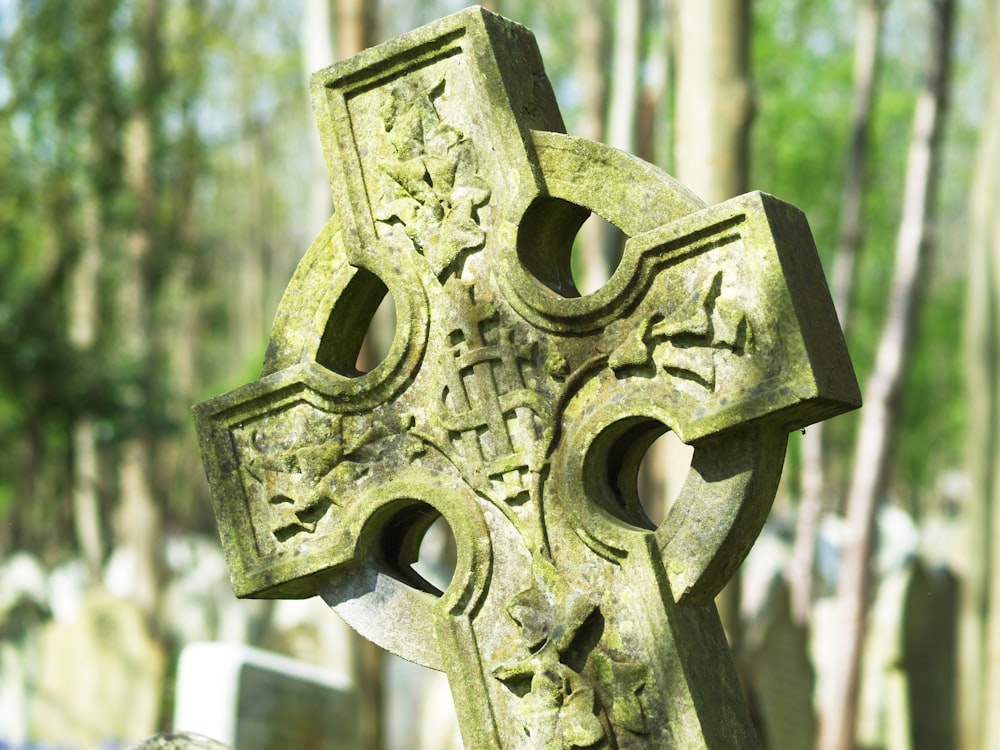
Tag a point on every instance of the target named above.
point(519, 409)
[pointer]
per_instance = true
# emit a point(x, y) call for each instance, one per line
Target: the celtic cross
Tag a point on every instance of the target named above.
point(518, 409)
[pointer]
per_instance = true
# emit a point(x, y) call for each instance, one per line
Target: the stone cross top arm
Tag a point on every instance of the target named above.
point(518, 409)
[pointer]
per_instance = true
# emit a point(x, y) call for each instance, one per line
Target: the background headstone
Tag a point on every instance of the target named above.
point(783, 676)
point(908, 698)
point(197, 602)
point(99, 677)
point(929, 648)
point(180, 741)
point(23, 609)
point(255, 700)
point(419, 711)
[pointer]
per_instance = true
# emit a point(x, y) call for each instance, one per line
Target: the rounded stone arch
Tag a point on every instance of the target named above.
point(606, 427)
point(580, 177)
point(377, 595)
point(325, 312)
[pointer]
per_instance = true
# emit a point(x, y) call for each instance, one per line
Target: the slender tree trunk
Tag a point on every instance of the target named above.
point(803, 560)
point(713, 113)
point(591, 46)
point(317, 53)
point(866, 63)
point(879, 418)
point(977, 561)
point(355, 26)
point(83, 312)
point(654, 127)
point(714, 104)
point(626, 57)
point(138, 519)
point(623, 109)
point(866, 66)
point(138, 524)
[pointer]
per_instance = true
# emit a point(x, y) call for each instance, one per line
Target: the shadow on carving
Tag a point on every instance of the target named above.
point(621, 468)
point(567, 248)
point(545, 243)
point(360, 328)
point(417, 547)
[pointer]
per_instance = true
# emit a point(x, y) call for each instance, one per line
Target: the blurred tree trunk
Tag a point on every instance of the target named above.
point(713, 111)
point(85, 219)
point(591, 46)
point(179, 307)
point(623, 101)
point(355, 26)
point(654, 129)
point(879, 418)
point(866, 66)
point(624, 91)
point(317, 53)
point(138, 524)
point(714, 102)
point(977, 559)
point(866, 63)
point(83, 298)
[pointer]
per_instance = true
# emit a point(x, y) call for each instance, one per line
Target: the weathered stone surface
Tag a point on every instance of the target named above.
point(519, 409)
point(180, 741)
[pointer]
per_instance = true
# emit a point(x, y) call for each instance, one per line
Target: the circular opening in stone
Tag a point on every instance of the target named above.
point(638, 466)
point(417, 547)
point(360, 329)
point(378, 338)
point(597, 251)
point(437, 555)
point(567, 248)
point(661, 474)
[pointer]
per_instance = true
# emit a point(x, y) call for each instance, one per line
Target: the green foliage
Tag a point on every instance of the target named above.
point(803, 67)
point(233, 143)
point(802, 86)
point(76, 77)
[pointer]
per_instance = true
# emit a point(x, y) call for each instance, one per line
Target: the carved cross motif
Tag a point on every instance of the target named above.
point(518, 409)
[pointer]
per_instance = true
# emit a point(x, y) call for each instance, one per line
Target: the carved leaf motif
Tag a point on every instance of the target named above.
point(559, 709)
point(626, 682)
point(430, 187)
point(684, 343)
point(550, 612)
point(296, 460)
point(578, 726)
point(558, 697)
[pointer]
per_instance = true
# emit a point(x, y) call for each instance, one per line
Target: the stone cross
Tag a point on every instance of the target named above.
point(518, 409)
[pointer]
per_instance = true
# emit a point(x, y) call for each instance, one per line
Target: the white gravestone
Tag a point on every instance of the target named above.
point(256, 700)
